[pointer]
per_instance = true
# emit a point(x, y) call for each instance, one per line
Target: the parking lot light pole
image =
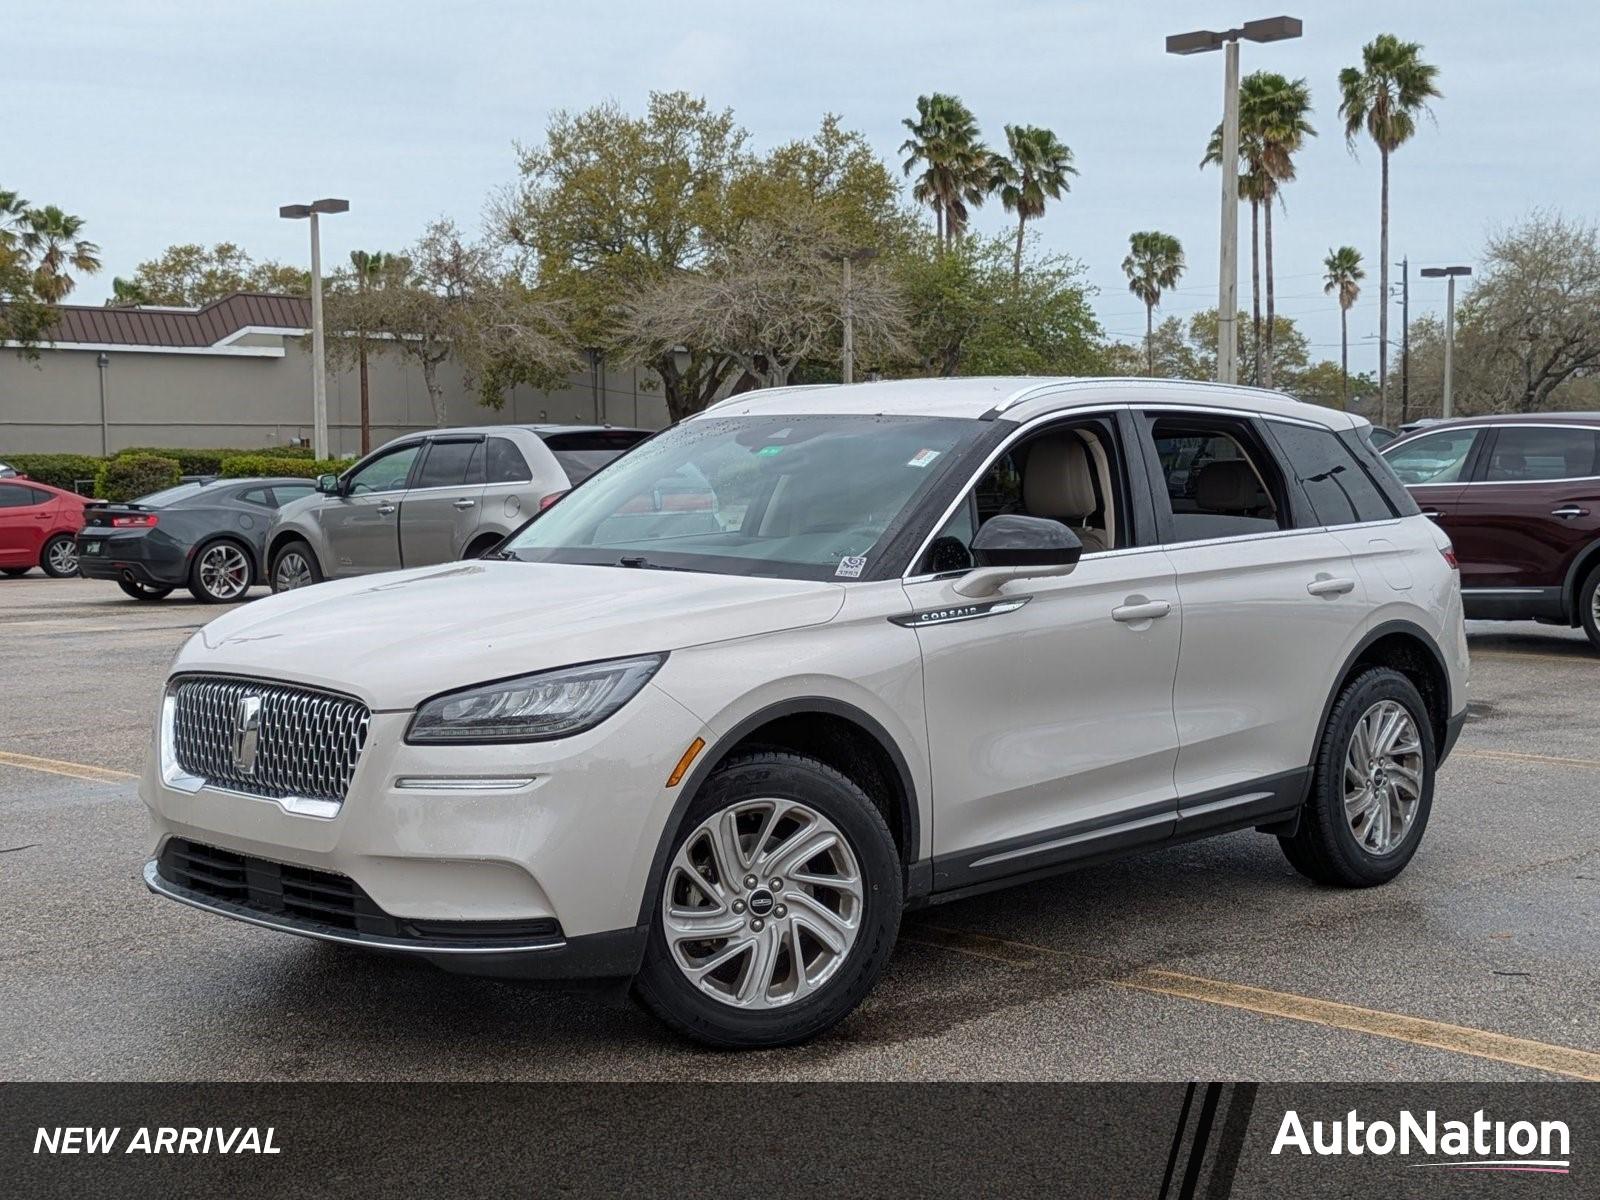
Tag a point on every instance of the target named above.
point(1447, 409)
point(847, 365)
point(1270, 29)
point(319, 378)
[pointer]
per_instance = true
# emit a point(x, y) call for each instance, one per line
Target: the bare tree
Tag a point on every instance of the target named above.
point(770, 300)
point(446, 298)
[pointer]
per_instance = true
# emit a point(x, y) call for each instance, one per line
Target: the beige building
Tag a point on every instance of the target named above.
point(236, 374)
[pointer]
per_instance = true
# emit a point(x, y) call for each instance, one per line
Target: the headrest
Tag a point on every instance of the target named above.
point(1228, 486)
point(1056, 481)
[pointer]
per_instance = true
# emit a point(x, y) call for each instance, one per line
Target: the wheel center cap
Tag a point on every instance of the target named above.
point(761, 902)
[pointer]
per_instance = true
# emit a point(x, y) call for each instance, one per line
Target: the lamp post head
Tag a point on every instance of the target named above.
point(298, 212)
point(295, 212)
point(1268, 29)
point(1442, 272)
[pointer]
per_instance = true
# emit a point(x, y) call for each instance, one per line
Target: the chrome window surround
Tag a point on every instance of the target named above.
point(311, 739)
point(1595, 429)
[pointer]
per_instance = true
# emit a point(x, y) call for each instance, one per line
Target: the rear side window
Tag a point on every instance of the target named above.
point(1340, 492)
point(1530, 453)
point(582, 454)
point(285, 493)
point(1433, 458)
point(452, 464)
point(1218, 482)
point(15, 496)
point(505, 462)
point(261, 496)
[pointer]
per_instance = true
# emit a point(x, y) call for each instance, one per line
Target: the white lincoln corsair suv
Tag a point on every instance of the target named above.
point(716, 718)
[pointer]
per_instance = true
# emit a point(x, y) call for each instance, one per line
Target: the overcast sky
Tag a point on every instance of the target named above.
point(162, 121)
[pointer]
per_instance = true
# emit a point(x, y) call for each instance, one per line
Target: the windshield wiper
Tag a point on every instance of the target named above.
point(640, 563)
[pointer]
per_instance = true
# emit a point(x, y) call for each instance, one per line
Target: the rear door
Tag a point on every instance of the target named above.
point(440, 509)
point(21, 523)
point(1270, 600)
point(1435, 468)
point(362, 526)
point(1532, 505)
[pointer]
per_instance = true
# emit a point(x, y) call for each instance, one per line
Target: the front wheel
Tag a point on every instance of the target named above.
point(220, 573)
point(59, 558)
point(1589, 607)
point(779, 907)
point(294, 566)
point(143, 591)
point(1372, 785)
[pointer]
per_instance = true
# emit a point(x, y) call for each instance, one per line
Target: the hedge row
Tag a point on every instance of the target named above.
point(69, 470)
point(58, 470)
point(129, 476)
point(250, 465)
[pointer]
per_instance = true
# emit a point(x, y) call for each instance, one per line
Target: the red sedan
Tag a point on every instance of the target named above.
point(38, 527)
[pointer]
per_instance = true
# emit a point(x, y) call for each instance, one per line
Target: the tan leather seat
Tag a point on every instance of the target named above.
point(1057, 482)
point(1231, 486)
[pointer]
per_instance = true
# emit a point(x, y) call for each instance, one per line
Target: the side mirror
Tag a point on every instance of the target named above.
point(328, 485)
point(1016, 547)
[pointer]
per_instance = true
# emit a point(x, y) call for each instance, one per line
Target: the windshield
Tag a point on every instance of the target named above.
point(795, 497)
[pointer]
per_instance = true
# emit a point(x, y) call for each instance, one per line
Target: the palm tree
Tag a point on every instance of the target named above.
point(1385, 94)
point(15, 233)
point(944, 138)
point(1154, 264)
point(370, 267)
point(54, 237)
point(1273, 126)
point(1035, 170)
point(1343, 278)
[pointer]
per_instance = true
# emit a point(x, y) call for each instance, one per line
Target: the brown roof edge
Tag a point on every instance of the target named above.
point(206, 326)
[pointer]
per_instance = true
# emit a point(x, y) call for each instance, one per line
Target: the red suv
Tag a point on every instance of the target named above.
point(1520, 498)
point(38, 527)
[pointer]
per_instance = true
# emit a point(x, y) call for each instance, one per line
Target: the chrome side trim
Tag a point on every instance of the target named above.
point(1508, 591)
point(462, 783)
point(952, 613)
point(237, 912)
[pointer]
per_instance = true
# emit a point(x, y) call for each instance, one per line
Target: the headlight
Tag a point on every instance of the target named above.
point(533, 708)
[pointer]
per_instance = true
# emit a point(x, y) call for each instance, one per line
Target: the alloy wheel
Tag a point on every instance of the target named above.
point(63, 556)
point(224, 571)
point(293, 571)
point(1383, 777)
point(762, 903)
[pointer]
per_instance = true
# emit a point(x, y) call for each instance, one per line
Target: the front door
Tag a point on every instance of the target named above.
point(442, 506)
point(1049, 705)
point(362, 526)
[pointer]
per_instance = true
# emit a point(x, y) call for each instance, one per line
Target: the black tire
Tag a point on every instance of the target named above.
point(16, 572)
point(143, 591)
point(281, 560)
point(56, 554)
point(209, 583)
point(1589, 607)
point(663, 988)
point(1325, 848)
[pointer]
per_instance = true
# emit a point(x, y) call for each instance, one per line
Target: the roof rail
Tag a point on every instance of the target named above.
point(758, 392)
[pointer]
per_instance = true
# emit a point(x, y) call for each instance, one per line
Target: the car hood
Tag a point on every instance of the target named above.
point(395, 639)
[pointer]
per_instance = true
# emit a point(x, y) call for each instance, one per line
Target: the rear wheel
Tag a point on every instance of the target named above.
point(779, 907)
point(59, 558)
point(1372, 787)
point(220, 573)
point(142, 591)
point(294, 566)
point(1589, 607)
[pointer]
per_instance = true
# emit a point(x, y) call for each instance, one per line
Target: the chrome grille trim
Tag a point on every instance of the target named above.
point(307, 747)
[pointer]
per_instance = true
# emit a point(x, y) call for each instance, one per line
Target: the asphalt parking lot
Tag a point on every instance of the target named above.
point(1209, 960)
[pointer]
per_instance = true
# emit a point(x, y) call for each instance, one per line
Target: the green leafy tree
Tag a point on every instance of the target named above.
point(54, 239)
point(1033, 171)
point(1384, 96)
point(191, 275)
point(1154, 264)
point(25, 315)
point(1343, 277)
point(956, 172)
point(371, 269)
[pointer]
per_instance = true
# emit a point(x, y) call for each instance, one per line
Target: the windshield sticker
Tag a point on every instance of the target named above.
point(851, 566)
point(782, 433)
point(922, 458)
point(769, 451)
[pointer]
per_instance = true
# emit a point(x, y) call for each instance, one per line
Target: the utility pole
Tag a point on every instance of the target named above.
point(1449, 274)
point(1405, 340)
point(1272, 29)
point(847, 364)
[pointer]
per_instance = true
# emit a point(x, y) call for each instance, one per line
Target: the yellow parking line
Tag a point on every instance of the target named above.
point(1515, 756)
point(72, 770)
point(1419, 1031)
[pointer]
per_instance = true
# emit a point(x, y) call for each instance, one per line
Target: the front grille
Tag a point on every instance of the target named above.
point(307, 745)
point(321, 902)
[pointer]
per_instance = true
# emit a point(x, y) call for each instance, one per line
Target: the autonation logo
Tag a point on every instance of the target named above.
point(1480, 1144)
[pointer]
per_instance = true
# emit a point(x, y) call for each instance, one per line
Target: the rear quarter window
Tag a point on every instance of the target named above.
point(1340, 489)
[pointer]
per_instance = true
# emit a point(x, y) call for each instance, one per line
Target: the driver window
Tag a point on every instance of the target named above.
point(386, 474)
point(1065, 473)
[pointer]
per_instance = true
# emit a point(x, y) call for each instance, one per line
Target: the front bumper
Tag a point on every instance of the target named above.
point(427, 838)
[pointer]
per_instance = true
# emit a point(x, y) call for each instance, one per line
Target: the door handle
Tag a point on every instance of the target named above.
point(1570, 511)
point(1147, 611)
point(1431, 512)
point(383, 510)
point(1331, 587)
point(465, 504)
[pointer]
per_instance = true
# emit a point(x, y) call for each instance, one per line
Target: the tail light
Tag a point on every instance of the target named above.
point(139, 521)
point(547, 501)
point(1450, 557)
